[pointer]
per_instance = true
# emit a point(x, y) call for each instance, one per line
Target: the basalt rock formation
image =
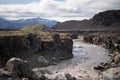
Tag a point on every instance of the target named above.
point(33, 49)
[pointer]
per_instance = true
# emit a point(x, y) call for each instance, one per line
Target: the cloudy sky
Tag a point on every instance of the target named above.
point(60, 10)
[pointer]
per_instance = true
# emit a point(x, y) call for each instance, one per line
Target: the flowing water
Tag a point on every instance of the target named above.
point(86, 56)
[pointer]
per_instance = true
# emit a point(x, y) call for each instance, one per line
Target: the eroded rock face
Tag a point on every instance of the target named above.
point(109, 41)
point(57, 49)
point(19, 46)
point(36, 51)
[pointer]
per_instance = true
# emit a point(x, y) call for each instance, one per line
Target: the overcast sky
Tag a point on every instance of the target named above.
point(60, 10)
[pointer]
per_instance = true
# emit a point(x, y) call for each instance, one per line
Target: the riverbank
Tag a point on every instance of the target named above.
point(80, 67)
point(111, 41)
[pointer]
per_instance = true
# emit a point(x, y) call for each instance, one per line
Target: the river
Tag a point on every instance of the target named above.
point(86, 56)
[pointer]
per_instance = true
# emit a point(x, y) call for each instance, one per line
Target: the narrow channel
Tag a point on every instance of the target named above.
point(86, 56)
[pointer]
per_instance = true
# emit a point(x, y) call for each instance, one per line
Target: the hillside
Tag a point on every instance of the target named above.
point(107, 18)
point(32, 27)
point(104, 20)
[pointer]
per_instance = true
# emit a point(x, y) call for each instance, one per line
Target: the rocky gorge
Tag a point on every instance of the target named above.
point(30, 51)
point(37, 52)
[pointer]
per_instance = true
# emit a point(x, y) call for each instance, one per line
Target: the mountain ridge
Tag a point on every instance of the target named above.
point(103, 20)
point(16, 24)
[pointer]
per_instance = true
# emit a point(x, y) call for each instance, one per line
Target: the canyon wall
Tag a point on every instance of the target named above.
point(33, 49)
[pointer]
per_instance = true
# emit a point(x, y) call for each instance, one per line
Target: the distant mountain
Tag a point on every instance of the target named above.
point(4, 23)
point(16, 24)
point(104, 20)
point(24, 22)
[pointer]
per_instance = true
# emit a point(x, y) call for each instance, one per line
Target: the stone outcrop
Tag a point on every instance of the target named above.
point(110, 41)
point(36, 51)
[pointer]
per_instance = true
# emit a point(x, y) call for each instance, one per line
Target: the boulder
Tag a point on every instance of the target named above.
point(99, 67)
point(60, 77)
point(20, 68)
point(74, 36)
point(69, 77)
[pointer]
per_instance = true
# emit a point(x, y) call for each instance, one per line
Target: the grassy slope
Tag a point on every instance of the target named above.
point(33, 27)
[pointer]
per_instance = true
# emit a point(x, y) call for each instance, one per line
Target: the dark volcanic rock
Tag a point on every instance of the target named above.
point(17, 69)
point(69, 77)
point(100, 67)
point(58, 49)
point(37, 52)
point(74, 36)
point(19, 46)
point(110, 41)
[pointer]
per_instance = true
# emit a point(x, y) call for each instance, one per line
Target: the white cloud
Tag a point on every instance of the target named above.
point(58, 10)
